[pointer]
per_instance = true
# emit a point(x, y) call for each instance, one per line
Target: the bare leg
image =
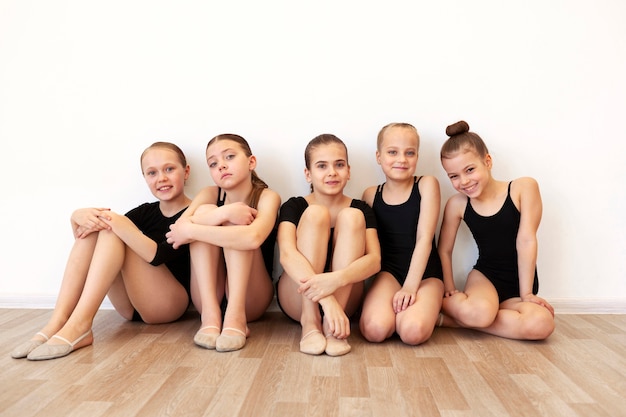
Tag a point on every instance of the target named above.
point(71, 288)
point(348, 245)
point(312, 242)
point(207, 290)
point(73, 282)
point(415, 325)
point(378, 319)
point(521, 320)
point(477, 307)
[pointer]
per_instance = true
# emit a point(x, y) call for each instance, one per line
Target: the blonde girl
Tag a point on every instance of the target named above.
point(406, 295)
point(125, 257)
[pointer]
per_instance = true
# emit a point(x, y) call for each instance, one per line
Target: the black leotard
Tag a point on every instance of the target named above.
point(497, 251)
point(397, 232)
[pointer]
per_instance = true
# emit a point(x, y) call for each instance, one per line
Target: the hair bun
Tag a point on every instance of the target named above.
point(457, 128)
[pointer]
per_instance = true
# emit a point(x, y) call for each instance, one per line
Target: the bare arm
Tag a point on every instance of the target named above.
point(428, 218)
point(134, 238)
point(238, 236)
point(530, 207)
point(452, 217)
point(317, 287)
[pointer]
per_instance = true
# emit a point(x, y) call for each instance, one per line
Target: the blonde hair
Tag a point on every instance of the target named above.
point(381, 134)
point(166, 145)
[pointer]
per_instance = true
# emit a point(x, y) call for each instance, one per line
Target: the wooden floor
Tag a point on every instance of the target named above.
point(135, 369)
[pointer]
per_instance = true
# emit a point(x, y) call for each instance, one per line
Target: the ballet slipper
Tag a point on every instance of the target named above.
point(313, 343)
point(336, 347)
point(229, 343)
point(206, 340)
point(49, 351)
point(22, 350)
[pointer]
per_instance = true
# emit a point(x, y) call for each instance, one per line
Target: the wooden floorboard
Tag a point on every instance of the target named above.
point(134, 369)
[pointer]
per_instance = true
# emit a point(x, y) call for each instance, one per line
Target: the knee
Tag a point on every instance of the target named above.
point(538, 327)
point(351, 218)
point(415, 333)
point(317, 216)
point(478, 313)
point(374, 331)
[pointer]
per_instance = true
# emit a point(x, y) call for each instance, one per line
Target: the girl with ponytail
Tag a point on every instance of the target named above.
point(231, 231)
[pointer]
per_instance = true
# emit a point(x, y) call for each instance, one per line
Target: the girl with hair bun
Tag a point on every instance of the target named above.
point(500, 292)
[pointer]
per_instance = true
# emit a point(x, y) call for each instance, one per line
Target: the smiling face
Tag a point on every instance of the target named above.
point(398, 152)
point(228, 163)
point(329, 171)
point(164, 173)
point(468, 172)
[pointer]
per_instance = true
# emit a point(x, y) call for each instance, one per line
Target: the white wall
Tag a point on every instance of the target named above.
point(85, 86)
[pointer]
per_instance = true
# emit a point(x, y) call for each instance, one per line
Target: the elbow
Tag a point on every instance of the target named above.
point(254, 241)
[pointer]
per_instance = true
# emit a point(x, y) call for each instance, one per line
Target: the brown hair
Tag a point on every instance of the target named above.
point(257, 183)
point(462, 140)
point(320, 140)
point(381, 134)
point(323, 139)
point(166, 145)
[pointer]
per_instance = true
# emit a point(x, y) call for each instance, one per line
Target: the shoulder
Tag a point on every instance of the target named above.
point(524, 186)
point(524, 192)
point(369, 193)
point(295, 202)
point(361, 205)
point(270, 194)
point(428, 183)
point(142, 209)
point(457, 204)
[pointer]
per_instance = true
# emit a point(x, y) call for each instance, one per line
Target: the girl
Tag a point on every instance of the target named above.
point(406, 294)
point(234, 260)
point(499, 296)
point(328, 246)
point(124, 256)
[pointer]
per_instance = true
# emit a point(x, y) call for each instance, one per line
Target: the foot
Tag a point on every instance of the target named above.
point(313, 343)
point(336, 347)
point(207, 340)
point(231, 342)
point(51, 350)
point(22, 350)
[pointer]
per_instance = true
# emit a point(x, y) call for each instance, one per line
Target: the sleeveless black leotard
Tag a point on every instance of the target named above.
point(397, 230)
point(496, 237)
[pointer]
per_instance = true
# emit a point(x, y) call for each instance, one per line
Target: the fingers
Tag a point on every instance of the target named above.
point(402, 301)
point(338, 327)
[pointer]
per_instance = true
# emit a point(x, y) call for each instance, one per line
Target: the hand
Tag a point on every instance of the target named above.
point(318, 286)
point(336, 323)
point(531, 298)
point(240, 213)
point(450, 292)
point(403, 299)
point(116, 221)
point(88, 220)
point(179, 233)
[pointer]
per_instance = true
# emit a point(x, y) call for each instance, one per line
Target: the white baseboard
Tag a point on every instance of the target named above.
point(588, 305)
point(39, 302)
point(561, 305)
